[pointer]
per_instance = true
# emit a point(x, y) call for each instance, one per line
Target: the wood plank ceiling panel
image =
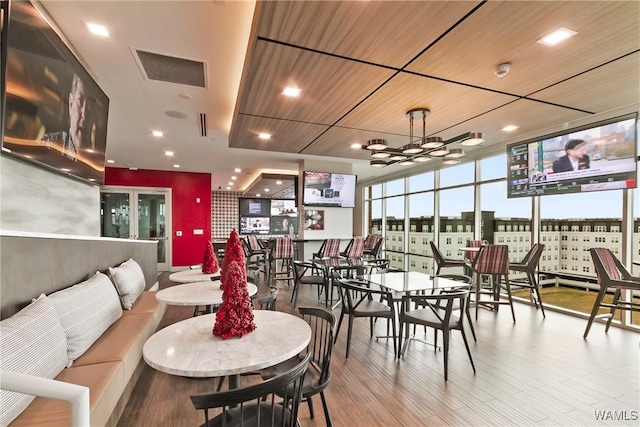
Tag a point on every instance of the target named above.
point(608, 87)
point(383, 32)
point(330, 86)
point(385, 111)
point(507, 31)
point(286, 136)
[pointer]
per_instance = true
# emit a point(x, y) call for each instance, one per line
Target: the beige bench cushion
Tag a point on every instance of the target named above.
point(105, 381)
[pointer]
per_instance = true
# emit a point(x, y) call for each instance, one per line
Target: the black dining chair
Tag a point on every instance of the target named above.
point(308, 273)
point(612, 275)
point(364, 299)
point(442, 262)
point(444, 311)
point(273, 402)
point(466, 284)
point(323, 325)
point(528, 265)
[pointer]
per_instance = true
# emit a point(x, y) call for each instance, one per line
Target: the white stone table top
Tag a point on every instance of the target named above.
point(187, 276)
point(189, 348)
point(197, 293)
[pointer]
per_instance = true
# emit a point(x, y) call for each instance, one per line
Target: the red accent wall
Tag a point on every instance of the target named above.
point(187, 215)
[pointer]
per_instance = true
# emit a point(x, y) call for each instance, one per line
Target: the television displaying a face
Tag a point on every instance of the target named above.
point(55, 115)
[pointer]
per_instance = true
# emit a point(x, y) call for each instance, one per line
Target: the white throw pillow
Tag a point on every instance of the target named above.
point(32, 342)
point(128, 279)
point(86, 310)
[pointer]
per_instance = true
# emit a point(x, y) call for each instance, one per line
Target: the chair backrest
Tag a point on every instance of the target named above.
point(268, 302)
point(302, 268)
point(259, 404)
point(532, 257)
point(492, 259)
point(437, 255)
point(608, 268)
point(323, 325)
point(377, 248)
point(354, 292)
point(473, 244)
point(331, 248)
point(254, 244)
point(283, 248)
point(371, 241)
point(442, 306)
point(355, 248)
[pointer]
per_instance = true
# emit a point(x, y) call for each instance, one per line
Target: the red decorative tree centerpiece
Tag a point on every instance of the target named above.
point(233, 253)
point(235, 316)
point(210, 263)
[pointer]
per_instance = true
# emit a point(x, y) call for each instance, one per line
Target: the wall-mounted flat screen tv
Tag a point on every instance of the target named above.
point(597, 157)
point(254, 225)
point(329, 189)
point(55, 114)
point(255, 207)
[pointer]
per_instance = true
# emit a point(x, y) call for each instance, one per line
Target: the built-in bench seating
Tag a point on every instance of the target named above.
point(90, 334)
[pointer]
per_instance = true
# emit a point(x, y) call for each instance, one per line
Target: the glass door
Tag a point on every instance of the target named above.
point(138, 214)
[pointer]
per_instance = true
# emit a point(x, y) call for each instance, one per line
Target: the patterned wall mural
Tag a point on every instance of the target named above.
point(224, 213)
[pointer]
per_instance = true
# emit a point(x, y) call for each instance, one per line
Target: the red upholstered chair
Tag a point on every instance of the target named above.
point(370, 241)
point(283, 252)
point(374, 253)
point(492, 262)
point(469, 255)
point(354, 249)
point(611, 275)
point(330, 249)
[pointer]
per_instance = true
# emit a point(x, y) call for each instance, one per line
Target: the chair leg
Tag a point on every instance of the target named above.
point(468, 313)
point(594, 311)
point(536, 290)
point(327, 417)
point(338, 328)
point(466, 344)
point(616, 297)
point(508, 287)
point(310, 404)
point(393, 326)
point(445, 339)
point(349, 329)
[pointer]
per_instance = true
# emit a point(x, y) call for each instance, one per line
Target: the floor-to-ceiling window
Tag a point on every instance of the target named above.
point(421, 222)
point(440, 206)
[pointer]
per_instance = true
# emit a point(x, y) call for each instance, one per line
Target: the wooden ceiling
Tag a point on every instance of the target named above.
point(362, 65)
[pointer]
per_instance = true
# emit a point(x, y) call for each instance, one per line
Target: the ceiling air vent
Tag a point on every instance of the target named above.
point(171, 69)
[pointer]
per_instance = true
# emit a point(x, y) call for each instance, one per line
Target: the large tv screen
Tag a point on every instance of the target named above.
point(597, 157)
point(55, 113)
point(329, 189)
point(254, 207)
point(267, 216)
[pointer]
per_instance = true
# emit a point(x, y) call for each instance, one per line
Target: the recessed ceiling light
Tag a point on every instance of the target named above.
point(157, 133)
point(509, 128)
point(168, 153)
point(176, 166)
point(279, 182)
point(92, 179)
point(228, 188)
point(266, 190)
point(98, 30)
point(258, 195)
point(234, 177)
point(356, 146)
point(230, 183)
point(264, 136)
point(559, 35)
point(292, 92)
point(111, 161)
point(237, 170)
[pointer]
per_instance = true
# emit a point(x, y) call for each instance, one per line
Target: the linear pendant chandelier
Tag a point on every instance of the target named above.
point(423, 149)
